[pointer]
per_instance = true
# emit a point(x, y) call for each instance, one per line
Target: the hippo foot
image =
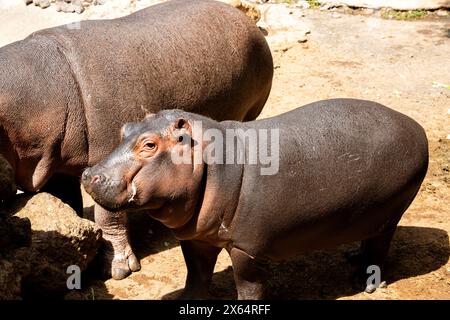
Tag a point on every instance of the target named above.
point(120, 265)
point(122, 268)
point(359, 282)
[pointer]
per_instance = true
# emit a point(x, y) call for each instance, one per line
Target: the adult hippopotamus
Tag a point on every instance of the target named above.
point(345, 170)
point(65, 91)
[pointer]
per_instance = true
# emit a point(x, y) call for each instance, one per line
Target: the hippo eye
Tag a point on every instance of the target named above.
point(147, 148)
point(180, 139)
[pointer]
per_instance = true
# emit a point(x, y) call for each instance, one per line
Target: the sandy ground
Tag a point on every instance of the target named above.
point(402, 64)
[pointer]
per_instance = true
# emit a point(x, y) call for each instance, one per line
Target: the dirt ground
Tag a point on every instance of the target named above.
point(402, 64)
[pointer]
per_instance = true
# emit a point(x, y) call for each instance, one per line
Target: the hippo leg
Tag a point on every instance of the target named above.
point(67, 189)
point(373, 251)
point(250, 275)
point(200, 261)
point(119, 259)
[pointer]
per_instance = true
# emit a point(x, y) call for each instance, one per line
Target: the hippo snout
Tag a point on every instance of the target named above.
point(88, 179)
point(93, 182)
point(105, 190)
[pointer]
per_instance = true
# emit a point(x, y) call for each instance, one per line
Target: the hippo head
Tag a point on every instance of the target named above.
point(141, 174)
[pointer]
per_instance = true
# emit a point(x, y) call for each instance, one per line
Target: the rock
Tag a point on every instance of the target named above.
point(248, 8)
point(15, 240)
point(284, 26)
point(282, 19)
point(59, 239)
point(27, 2)
point(79, 8)
point(302, 4)
point(7, 182)
point(68, 6)
point(44, 4)
point(13, 270)
point(368, 11)
point(430, 187)
point(65, 7)
point(41, 3)
point(370, 288)
point(15, 233)
point(77, 3)
point(442, 13)
point(40, 237)
point(326, 6)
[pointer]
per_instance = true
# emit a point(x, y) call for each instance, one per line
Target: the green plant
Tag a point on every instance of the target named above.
point(313, 3)
point(92, 295)
point(404, 15)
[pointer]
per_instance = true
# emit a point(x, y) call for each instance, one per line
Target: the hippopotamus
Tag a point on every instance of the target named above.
point(65, 91)
point(344, 170)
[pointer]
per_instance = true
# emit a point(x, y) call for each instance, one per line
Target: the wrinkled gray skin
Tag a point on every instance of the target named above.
point(65, 91)
point(348, 171)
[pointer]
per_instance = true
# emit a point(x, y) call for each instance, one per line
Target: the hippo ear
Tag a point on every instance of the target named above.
point(184, 132)
point(125, 131)
point(181, 123)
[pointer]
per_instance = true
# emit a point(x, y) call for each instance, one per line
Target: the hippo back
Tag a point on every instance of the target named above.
point(349, 169)
point(201, 56)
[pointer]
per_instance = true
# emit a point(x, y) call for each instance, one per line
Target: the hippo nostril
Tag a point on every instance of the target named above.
point(96, 179)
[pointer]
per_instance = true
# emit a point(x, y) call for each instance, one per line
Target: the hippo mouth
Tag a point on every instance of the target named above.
point(133, 192)
point(128, 200)
point(114, 196)
point(110, 205)
point(112, 193)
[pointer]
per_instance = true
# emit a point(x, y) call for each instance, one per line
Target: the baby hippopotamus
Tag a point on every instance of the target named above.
point(328, 173)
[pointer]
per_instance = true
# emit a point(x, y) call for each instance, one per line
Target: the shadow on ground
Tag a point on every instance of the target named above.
point(327, 274)
point(147, 237)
